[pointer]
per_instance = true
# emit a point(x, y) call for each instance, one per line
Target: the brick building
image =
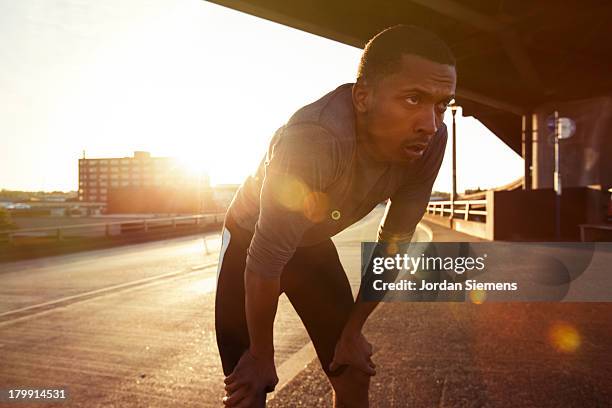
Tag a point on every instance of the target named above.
point(142, 184)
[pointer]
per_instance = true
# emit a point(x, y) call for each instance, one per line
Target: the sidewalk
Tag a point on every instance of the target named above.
point(467, 355)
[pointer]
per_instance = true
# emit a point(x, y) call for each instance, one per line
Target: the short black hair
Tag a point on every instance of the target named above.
point(383, 53)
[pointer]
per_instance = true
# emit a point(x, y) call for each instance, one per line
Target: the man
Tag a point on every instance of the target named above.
point(326, 168)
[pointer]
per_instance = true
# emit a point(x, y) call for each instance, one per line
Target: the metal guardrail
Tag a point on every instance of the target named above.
point(109, 229)
point(466, 208)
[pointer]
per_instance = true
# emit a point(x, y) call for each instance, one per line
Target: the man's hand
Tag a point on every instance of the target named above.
point(252, 377)
point(353, 349)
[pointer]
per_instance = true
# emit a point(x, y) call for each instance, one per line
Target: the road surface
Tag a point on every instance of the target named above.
point(134, 326)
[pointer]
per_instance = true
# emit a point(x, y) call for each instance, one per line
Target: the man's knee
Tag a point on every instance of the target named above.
point(351, 388)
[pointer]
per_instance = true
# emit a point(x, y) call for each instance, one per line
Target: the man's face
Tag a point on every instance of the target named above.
point(401, 112)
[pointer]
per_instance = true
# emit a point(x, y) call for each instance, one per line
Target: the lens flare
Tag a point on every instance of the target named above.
point(392, 248)
point(316, 206)
point(290, 192)
point(478, 296)
point(564, 337)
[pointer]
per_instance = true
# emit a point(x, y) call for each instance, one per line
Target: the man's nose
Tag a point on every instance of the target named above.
point(426, 122)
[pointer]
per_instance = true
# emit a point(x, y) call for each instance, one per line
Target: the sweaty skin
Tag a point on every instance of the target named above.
point(396, 119)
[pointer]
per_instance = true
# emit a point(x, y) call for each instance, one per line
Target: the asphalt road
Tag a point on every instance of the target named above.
point(133, 326)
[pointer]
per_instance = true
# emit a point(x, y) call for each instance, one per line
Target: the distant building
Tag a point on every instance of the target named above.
point(142, 184)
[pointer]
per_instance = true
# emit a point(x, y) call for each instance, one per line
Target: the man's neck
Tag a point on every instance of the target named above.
point(364, 143)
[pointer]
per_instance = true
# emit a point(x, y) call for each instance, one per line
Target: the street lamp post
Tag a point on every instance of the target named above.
point(557, 179)
point(563, 128)
point(454, 109)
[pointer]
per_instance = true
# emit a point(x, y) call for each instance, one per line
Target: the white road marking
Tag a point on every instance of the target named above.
point(97, 292)
point(293, 366)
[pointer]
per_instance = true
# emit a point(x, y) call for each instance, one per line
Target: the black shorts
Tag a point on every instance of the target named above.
point(313, 280)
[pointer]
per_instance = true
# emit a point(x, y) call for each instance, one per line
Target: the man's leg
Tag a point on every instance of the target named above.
point(316, 284)
point(230, 318)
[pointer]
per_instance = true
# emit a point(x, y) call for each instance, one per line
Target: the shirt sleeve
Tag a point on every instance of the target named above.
point(299, 166)
point(407, 206)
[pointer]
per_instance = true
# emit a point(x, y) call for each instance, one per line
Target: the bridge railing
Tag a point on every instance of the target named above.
point(468, 210)
point(114, 228)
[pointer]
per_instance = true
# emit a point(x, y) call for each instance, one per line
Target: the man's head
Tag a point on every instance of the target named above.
point(405, 81)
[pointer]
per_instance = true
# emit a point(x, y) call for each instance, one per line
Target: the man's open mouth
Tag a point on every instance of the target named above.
point(417, 149)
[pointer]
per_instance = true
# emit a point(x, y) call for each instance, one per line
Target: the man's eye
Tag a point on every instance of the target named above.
point(413, 100)
point(441, 107)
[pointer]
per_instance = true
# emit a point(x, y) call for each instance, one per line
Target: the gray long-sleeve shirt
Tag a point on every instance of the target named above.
point(315, 181)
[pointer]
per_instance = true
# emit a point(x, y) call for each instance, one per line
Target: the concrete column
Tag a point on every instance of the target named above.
point(490, 223)
point(527, 149)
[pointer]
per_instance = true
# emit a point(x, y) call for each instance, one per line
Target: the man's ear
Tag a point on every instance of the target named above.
point(361, 95)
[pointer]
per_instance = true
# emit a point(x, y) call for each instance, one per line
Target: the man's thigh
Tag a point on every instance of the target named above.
point(317, 286)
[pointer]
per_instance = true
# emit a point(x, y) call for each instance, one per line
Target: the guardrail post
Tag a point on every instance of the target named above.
point(174, 223)
point(146, 226)
point(206, 246)
point(467, 211)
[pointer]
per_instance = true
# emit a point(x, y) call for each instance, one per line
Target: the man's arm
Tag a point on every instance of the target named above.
point(261, 302)
point(302, 157)
point(255, 373)
point(404, 211)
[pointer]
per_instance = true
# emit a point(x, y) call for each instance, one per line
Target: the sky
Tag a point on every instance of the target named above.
point(182, 78)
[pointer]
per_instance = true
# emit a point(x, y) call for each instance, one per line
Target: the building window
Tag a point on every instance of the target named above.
point(114, 161)
point(114, 176)
point(114, 183)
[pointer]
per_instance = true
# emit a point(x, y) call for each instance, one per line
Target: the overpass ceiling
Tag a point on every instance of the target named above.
point(511, 55)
